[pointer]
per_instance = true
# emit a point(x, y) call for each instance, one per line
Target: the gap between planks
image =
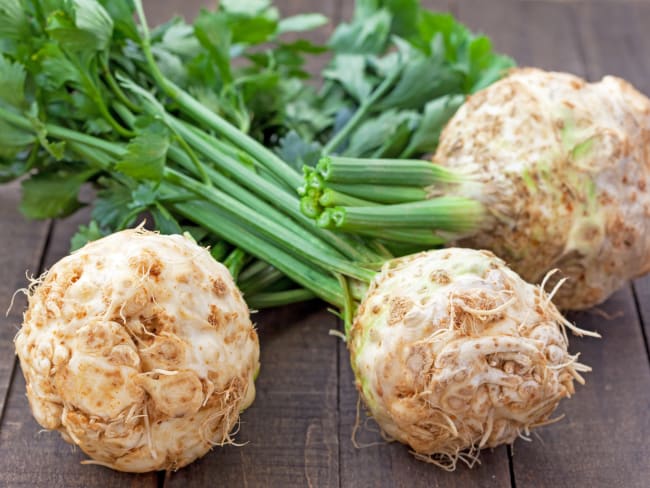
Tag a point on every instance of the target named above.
point(42, 232)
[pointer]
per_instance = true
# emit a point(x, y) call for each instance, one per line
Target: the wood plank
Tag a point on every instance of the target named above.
point(290, 431)
point(535, 33)
point(161, 10)
point(21, 247)
point(39, 458)
point(603, 441)
point(615, 40)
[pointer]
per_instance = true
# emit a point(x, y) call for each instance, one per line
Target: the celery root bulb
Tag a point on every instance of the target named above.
point(454, 352)
point(564, 166)
point(139, 349)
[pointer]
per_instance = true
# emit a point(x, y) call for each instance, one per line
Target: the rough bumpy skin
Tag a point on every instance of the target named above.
point(454, 352)
point(139, 349)
point(564, 167)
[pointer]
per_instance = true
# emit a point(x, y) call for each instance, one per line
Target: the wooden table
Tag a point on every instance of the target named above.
point(298, 431)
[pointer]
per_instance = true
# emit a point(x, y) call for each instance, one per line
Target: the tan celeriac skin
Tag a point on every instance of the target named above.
point(139, 349)
point(563, 167)
point(454, 352)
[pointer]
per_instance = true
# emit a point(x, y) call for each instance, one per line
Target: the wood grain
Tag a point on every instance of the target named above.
point(534, 33)
point(615, 41)
point(21, 247)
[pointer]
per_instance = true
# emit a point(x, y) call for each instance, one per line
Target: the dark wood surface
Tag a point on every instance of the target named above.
point(298, 431)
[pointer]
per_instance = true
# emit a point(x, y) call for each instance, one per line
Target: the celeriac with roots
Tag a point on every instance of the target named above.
point(564, 165)
point(139, 349)
point(453, 352)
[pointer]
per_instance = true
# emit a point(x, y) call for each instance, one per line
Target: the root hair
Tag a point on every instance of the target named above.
point(356, 426)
